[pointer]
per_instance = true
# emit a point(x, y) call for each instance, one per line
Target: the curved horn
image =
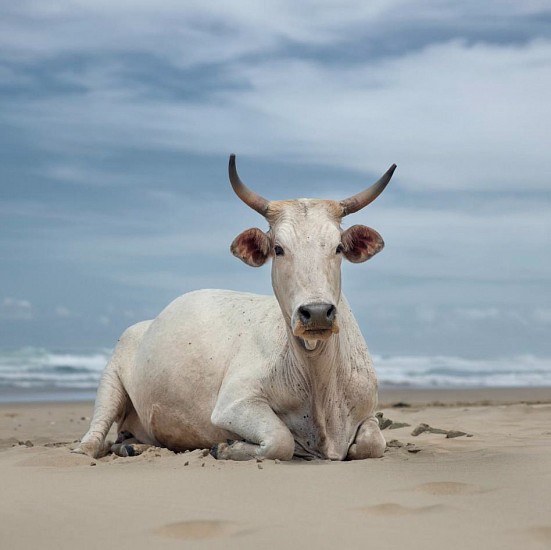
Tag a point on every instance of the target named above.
point(357, 202)
point(250, 198)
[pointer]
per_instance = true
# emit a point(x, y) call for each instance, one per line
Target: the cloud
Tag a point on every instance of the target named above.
point(14, 309)
point(124, 114)
point(478, 314)
point(194, 32)
point(63, 312)
point(104, 320)
point(454, 114)
point(542, 315)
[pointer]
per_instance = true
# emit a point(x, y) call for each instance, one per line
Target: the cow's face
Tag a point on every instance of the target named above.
point(307, 245)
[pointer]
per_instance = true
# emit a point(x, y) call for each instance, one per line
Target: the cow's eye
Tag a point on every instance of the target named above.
point(278, 250)
point(340, 248)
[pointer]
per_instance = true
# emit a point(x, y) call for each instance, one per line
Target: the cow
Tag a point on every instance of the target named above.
point(250, 376)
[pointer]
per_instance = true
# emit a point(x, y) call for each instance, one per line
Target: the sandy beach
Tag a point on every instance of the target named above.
point(489, 487)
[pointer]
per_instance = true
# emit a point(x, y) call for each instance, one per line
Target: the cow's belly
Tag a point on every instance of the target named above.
point(174, 400)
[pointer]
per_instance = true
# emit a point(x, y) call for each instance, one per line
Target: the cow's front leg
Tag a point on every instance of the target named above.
point(264, 434)
point(369, 441)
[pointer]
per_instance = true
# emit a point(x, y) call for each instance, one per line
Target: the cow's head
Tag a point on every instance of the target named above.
point(306, 243)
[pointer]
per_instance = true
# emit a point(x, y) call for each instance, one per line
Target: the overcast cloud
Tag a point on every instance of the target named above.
point(117, 119)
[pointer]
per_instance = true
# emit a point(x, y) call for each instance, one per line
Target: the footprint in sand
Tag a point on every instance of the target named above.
point(541, 534)
point(198, 530)
point(394, 509)
point(448, 488)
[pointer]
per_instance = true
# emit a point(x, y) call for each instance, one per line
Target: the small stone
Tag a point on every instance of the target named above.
point(186, 463)
point(259, 466)
point(383, 422)
point(259, 459)
point(205, 452)
point(411, 448)
point(277, 461)
point(83, 418)
point(422, 428)
point(400, 405)
point(93, 463)
point(454, 433)
point(394, 443)
point(203, 465)
point(29, 443)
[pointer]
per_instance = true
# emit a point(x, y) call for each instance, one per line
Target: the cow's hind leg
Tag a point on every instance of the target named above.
point(369, 441)
point(111, 402)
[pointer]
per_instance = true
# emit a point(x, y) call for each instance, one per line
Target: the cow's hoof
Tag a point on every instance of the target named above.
point(219, 451)
point(130, 448)
point(80, 451)
point(91, 449)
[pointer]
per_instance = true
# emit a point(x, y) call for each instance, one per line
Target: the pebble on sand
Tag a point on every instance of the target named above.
point(450, 434)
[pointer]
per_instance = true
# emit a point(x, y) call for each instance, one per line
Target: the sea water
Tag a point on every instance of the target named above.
point(37, 374)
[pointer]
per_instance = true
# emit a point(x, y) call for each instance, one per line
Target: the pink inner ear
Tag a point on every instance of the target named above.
point(251, 246)
point(361, 243)
point(365, 241)
point(253, 249)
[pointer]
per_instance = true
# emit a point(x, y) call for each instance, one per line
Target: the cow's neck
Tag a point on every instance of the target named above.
point(322, 364)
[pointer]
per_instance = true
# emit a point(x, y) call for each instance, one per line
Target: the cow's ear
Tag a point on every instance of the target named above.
point(361, 243)
point(252, 246)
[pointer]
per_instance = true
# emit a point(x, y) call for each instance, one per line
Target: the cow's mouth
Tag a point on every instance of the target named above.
point(315, 333)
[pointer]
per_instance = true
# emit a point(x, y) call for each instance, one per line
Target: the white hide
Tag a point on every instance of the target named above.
point(218, 365)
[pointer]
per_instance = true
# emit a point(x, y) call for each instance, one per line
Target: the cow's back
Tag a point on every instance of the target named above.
point(182, 358)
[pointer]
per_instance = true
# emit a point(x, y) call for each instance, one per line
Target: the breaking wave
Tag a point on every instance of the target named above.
point(38, 369)
point(42, 371)
point(457, 372)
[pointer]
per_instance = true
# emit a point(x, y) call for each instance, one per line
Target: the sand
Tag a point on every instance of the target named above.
point(489, 488)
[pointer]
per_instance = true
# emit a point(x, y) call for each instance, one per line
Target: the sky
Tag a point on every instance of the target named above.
point(117, 119)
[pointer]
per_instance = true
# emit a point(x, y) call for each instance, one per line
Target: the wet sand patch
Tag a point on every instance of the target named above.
point(395, 509)
point(198, 529)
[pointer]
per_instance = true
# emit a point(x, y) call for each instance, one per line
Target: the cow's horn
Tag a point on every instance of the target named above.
point(256, 202)
point(357, 202)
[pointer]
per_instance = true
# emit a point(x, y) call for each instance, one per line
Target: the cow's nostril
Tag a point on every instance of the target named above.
point(331, 312)
point(304, 313)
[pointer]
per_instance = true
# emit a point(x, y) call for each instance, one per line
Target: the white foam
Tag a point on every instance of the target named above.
point(32, 368)
point(36, 368)
point(454, 372)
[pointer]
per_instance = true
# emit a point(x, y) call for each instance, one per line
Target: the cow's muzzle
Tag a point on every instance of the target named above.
point(315, 321)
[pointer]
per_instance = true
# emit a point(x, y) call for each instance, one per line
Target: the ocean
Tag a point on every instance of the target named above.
point(37, 374)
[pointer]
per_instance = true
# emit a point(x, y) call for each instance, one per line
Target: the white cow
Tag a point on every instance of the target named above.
point(255, 376)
